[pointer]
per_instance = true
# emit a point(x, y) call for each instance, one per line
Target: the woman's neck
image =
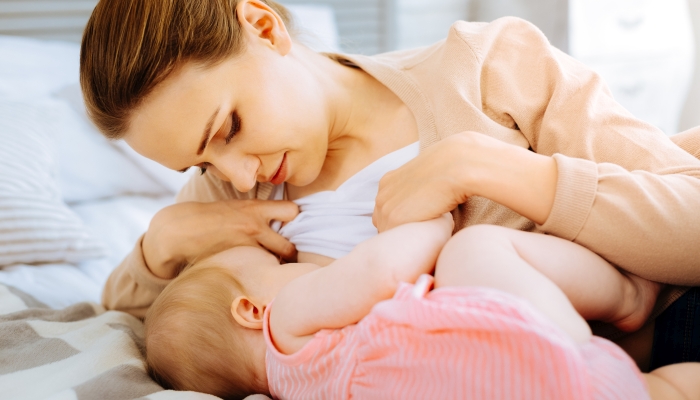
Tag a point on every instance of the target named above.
point(366, 121)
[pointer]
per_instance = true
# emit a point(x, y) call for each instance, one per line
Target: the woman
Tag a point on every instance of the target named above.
point(512, 132)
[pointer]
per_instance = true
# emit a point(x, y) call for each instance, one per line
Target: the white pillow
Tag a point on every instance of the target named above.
point(150, 178)
point(89, 166)
point(35, 225)
point(31, 68)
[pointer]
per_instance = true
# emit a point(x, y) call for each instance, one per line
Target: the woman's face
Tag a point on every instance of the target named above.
point(259, 116)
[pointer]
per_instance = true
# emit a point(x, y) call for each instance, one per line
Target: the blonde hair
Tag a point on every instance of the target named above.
point(130, 46)
point(192, 340)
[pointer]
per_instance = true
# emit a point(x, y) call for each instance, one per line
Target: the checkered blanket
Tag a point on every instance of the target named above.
point(80, 352)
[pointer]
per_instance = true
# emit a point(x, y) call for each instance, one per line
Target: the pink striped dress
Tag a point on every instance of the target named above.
point(452, 343)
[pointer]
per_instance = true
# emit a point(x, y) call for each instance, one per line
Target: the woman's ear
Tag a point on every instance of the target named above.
point(246, 313)
point(260, 22)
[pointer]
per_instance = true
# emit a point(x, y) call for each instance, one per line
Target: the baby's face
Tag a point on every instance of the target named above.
point(258, 270)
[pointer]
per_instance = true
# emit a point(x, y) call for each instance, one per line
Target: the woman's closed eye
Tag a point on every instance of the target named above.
point(235, 127)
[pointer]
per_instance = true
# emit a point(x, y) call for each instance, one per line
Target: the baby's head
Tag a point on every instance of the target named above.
point(192, 340)
point(204, 332)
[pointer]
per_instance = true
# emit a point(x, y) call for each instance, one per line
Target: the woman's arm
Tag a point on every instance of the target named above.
point(132, 287)
point(346, 290)
point(463, 165)
point(210, 216)
point(689, 141)
point(600, 177)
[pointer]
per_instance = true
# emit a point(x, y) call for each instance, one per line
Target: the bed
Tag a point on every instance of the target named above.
point(72, 205)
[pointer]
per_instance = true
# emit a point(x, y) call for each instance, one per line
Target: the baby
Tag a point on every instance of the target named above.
point(496, 325)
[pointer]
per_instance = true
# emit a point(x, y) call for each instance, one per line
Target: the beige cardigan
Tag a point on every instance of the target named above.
point(624, 189)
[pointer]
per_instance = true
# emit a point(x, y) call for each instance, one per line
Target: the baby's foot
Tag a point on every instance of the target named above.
point(639, 304)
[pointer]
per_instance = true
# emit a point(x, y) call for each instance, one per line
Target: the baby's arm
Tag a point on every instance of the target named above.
point(346, 290)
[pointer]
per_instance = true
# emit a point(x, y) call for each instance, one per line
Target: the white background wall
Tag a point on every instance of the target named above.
point(423, 22)
point(374, 26)
point(549, 15)
point(691, 112)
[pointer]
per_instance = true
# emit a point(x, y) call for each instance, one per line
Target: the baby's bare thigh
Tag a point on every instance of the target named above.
point(560, 260)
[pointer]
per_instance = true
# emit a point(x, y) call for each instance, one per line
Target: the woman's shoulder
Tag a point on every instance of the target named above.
point(466, 41)
point(500, 35)
point(689, 141)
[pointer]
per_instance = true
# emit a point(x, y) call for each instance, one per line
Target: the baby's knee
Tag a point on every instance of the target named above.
point(476, 241)
point(472, 253)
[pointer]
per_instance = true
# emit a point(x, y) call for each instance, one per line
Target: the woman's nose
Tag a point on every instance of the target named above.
point(241, 173)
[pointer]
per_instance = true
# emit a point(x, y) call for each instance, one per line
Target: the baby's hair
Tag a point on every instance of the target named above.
point(191, 336)
point(130, 46)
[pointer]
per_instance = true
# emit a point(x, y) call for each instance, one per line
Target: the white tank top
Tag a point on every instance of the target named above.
point(331, 223)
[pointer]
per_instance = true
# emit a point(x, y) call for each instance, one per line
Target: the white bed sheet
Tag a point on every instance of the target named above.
point(118, 222)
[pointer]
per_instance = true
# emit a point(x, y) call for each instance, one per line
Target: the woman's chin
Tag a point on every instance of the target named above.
point(300, 179)
point(293, 181)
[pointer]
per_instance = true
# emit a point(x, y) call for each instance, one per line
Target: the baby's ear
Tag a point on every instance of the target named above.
point(246, 313)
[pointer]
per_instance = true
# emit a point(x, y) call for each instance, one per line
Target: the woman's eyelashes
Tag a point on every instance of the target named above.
point(235, 127)
point(203, 168)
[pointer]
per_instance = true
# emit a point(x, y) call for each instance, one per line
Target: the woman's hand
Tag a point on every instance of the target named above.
point(184, 232)
point(424, 188)
point(462, 165)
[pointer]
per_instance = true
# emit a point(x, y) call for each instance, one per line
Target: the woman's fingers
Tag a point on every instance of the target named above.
point(278, 210)
point(277, 244)
point(269, 211)
point(184, 232)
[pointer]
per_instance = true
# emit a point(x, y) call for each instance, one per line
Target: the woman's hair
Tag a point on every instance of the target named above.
point(130, 46)
point(192, 340)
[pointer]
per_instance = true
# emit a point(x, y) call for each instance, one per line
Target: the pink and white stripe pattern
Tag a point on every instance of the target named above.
point(452, 343)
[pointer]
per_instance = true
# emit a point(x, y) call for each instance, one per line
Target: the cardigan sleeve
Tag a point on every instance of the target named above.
point(132, 287)
point(624, 189)
point(689, 141)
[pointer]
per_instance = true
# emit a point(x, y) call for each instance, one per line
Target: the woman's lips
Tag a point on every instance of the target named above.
point(281, 173)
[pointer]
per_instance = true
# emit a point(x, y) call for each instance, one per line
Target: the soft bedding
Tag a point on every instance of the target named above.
point(36, 226)
point(72, 205)
point(78, 352)
point(116, 222)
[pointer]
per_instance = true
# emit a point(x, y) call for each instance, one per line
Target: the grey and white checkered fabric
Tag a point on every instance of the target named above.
point(80, 352)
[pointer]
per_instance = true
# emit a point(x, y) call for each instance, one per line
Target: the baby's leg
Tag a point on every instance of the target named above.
point(492, 255)
point(473, 258)
point(675, 381)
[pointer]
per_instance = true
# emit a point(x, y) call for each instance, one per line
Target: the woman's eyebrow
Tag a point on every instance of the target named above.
point(207, 132)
